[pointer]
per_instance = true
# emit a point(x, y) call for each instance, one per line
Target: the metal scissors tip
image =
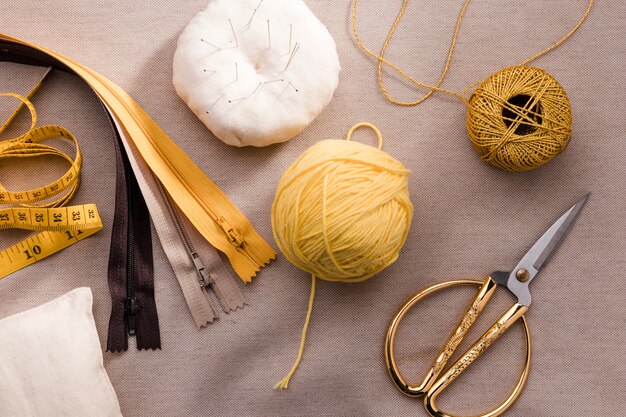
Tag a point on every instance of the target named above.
point(527, 268)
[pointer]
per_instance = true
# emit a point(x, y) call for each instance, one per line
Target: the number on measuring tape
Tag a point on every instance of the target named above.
point(36, 251)
point(76, 223)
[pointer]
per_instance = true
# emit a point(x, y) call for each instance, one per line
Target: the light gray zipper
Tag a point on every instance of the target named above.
point(203, 276)
point(217, 277)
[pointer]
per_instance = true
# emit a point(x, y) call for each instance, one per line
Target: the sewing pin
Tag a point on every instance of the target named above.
point(290, 33)
point(265, 82)
point(253, 13)
point(236, 72)
point(273, 81)
point(269, 35)
point(294, 87)
point(213, 105)
point(209, 43)
point(256, 89)
point(293, 54)
point(234, 34)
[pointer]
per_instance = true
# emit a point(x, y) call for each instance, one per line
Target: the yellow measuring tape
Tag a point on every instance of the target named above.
point(64, 227)
point(43, 209)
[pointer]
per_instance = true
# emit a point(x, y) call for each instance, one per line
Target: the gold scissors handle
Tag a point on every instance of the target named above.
point(432, 385)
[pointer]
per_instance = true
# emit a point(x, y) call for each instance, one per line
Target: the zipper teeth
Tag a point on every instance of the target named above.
point(177, 223)
point(130, 283)
point(130, 287)
point(205, 278)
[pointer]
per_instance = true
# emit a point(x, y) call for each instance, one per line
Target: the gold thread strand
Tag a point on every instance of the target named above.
point(394, 66)
point(381, 81)
point(463, 95)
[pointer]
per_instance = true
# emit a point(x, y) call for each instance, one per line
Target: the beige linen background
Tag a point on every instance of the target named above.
point(470, 219)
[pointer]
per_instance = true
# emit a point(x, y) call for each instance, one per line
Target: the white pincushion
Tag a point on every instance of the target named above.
point(251, 85)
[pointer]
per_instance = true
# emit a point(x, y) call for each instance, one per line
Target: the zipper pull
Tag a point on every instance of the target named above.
point(233, 235)
point(203, 277)
point(131, 315)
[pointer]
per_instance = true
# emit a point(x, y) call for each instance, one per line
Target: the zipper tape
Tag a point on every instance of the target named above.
point(43, 209)
point(203, 203)
point(130, 272)
point(197, 298)
point(171, 241)
point(218, 275)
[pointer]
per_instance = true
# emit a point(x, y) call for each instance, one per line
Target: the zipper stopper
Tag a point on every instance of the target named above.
point(131, 309)
point(203, 277)
point(234, 236)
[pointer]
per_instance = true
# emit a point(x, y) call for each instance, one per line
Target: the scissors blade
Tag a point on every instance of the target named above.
point(527, 268)
point(547, 244)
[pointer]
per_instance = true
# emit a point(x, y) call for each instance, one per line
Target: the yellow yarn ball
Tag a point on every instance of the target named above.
point(519, 118)
point(342, 210)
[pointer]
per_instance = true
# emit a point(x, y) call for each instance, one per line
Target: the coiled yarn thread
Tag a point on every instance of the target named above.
point(519, 118)
point(342, 212)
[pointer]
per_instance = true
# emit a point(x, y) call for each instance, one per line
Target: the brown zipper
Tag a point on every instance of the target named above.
point(131, 274)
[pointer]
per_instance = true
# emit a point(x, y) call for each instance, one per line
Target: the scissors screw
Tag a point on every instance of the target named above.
point(522, 275)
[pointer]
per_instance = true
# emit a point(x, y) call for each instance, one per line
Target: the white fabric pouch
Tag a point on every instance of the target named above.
point(51, 362)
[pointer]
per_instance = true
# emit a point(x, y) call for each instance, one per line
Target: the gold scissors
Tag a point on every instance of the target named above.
point(517, 282)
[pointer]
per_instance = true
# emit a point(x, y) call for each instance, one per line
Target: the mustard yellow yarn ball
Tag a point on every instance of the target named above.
point(342, 210)
point(519, 118)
